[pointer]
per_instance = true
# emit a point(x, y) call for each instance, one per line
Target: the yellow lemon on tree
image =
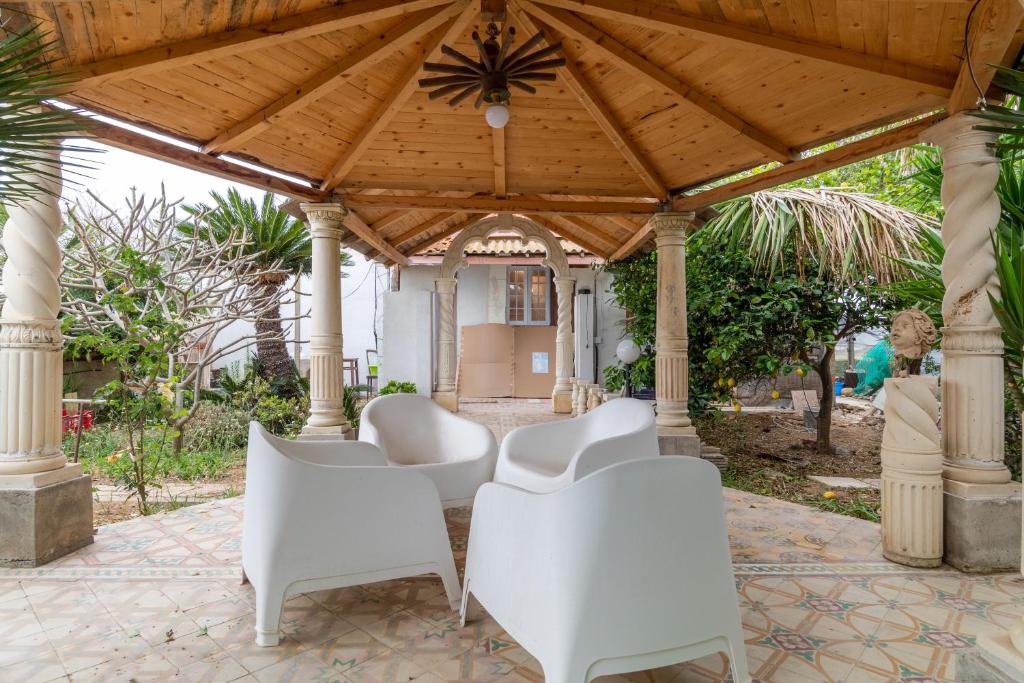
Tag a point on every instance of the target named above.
point(775, 394)
point(736, 407)
point(800, 372)
point(828, 495)
point(731, 382)
point(721, 381)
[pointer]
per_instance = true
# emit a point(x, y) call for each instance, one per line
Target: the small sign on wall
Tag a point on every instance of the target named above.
point(540, 362)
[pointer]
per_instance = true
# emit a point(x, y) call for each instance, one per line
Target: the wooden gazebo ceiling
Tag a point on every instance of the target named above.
point(659, 98)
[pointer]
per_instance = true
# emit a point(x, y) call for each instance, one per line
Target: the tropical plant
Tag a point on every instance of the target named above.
point(396, 387)
point(30, 131)
point(280, 245)
point(841, 245)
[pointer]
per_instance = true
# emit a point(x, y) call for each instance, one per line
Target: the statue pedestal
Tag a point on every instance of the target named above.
point(912, 491)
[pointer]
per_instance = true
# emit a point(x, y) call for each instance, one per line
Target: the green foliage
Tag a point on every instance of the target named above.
point(281, 415)
point(217, 426)
point(857, 506)
point(30, 132)
point(350, 404)
point(396, 387)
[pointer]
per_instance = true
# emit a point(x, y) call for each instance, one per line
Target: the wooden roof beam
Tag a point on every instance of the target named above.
point(361, 230)
point(633, 243)
point(418, 229)
point(399, 94)
point(592, 230)
point(661, 18)
point(217, 45)
point(559, 229)
point(500, 172)
point(491, 205)
point(865, 148)
point(447, 232)
point(602, 115)
point(624, 58)
point(130, 141)
point(379, 49)
point(993, 39)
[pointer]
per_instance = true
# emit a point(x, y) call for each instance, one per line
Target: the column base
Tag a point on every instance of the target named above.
point(561, 401)
point(982, 526)
point(995, 660)
point(449, 400)
point(684, 441)
point(342, 432)
point(44, 516)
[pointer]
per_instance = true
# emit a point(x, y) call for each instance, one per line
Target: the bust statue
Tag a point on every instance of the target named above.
point(912, 335)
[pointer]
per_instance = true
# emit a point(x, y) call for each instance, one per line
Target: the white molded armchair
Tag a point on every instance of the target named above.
point(415, 432)
point(548, 457)
point(624, 570)
point(330, 514)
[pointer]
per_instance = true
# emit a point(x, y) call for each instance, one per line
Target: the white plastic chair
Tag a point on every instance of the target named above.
point(625, 570)
point(415, 432)
point(547, 457)
point(330, 514)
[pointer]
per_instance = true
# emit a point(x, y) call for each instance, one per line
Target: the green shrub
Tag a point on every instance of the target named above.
point(396, 387)
point(216, 426)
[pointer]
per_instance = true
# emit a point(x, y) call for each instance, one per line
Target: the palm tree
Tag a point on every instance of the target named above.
point(279, 242)
point(844, 243)
point(30, 131)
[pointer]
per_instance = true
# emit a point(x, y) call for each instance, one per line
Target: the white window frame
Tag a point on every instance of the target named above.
point(528, 272)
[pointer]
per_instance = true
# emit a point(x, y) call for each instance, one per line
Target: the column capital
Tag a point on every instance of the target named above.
point(961, 141)
point(564, 281)
point(325, 218)
point(671, 225)
point(445, 285)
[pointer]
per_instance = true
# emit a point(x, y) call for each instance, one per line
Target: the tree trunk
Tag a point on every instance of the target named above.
point(273, 351)
point(828, 399)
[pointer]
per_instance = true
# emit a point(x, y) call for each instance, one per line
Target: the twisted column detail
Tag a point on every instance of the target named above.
point(561, 396)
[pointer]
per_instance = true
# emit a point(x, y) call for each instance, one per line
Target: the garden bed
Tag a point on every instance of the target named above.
point(770, 453)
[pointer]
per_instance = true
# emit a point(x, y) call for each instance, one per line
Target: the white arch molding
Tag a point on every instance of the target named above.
point(445, 390)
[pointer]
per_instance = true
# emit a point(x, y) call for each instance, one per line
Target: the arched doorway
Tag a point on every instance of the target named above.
point(445, 390)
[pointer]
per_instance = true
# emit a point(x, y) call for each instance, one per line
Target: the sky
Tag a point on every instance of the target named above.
point(112, 175)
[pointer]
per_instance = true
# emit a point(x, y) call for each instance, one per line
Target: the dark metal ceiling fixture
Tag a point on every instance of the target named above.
point(496, 70)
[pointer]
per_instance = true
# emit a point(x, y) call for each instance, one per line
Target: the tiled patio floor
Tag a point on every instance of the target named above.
point(158, 598)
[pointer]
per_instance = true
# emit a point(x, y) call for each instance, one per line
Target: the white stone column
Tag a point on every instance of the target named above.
point(326, 376)
point(447, 359)
point(972, 346)
point(561, 396)
point(45, 502)
point(672, 374)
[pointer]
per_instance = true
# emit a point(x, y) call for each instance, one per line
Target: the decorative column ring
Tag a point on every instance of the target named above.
point(672, 374)
point(326, 386)
point(561, 395)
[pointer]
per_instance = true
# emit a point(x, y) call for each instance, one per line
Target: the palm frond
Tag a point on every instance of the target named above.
point(837, 233)
point(30, 131)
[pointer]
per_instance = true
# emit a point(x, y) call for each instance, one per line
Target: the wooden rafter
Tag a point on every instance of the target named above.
point(500, 172)
point(447, 232)
point(130, 141)
point(865, 148)
point(416, 230)
point(633, 243)
point(592, 230)
point(993, 39)
point(625, 58)
point(511, 205)
point(361, 230)
point(573, 236)
point(602, 115)
point(398, 95)
point(661, 18)
point(382, 224)
point(319, 85)
point(215, 46)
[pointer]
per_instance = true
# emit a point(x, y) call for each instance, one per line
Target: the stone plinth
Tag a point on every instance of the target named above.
point(448, 400)
point(44, 515)
point(995, 661)
point(982, 526)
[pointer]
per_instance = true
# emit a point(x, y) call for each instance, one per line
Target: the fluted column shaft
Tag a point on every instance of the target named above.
point(447, 360)
point(672, 374)
point(326, 385)
point(972, 346)
point(31, 373)
point(561, 396)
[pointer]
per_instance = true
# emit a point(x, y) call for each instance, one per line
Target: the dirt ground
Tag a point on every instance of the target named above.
point(772, 454)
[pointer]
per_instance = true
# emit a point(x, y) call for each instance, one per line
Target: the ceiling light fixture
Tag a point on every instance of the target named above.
point(494, 73)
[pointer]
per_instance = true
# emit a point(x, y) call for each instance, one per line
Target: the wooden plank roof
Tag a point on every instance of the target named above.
point(659, 99)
